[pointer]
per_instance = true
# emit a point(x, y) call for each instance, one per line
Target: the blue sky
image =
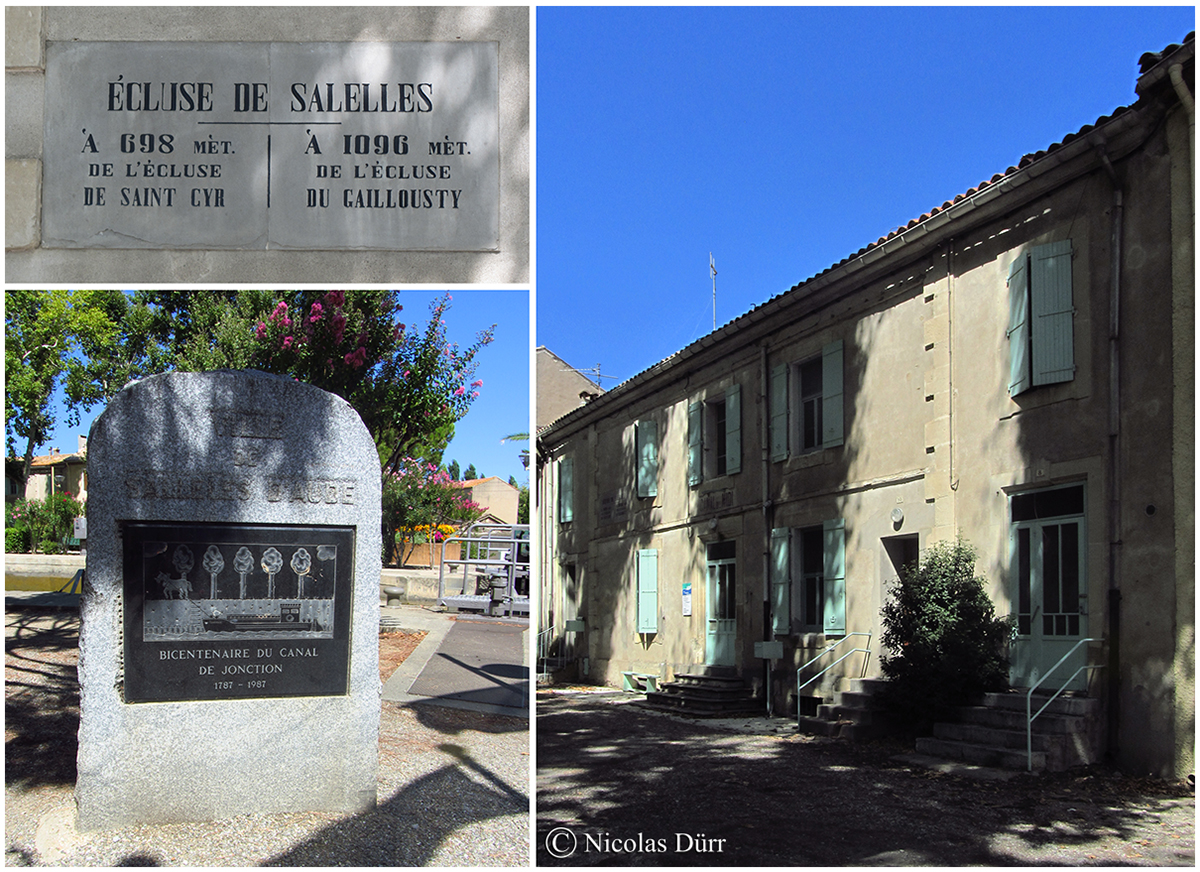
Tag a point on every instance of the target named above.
point(782, 140)
point(503, 405)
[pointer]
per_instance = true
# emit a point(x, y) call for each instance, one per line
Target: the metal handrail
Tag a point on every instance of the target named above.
point(1029, 718)
point(490, 539)
point(543, 646)
point(866, 660)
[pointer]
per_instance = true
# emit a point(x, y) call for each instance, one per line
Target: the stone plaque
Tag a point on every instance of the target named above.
point(272, 145)
point(229, 612)
point(230, 617)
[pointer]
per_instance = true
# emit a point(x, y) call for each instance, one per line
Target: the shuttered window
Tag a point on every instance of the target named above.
point(817, 395)
point(733, 429)
point(566, 490)
point(646, 448)
point(808, 587)
point(695, 443)
point(779, 412)
point(781, 609)
point(647, 590)
point(834, 536)
point(831, 384)
point(1041, 340)
point(715, 436)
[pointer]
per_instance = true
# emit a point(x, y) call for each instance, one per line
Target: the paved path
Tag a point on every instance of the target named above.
point(464, 662)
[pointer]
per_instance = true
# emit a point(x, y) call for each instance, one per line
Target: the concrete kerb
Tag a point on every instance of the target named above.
point(436, 625)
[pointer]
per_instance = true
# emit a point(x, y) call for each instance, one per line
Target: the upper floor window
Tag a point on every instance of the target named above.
point(715, 436)
point(566, 490)
point(806, 404)
point(646, 457)
point(1041, 318)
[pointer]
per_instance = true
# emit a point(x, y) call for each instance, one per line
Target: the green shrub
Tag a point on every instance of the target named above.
point(50, 546)
point(946, 646)
point(16, 540)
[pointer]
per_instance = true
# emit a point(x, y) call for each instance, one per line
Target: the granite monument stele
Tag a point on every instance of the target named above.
point(228, 654)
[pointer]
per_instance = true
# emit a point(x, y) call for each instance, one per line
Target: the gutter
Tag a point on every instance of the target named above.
point(1114, 457)
point(1077, 148)
point(1189, 106)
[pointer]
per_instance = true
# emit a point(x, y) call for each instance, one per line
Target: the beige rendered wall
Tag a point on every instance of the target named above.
point(558, 388)
point(29, 28)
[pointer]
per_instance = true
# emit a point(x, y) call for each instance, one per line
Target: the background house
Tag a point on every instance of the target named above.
point(57, 472)
point(560, 388)
point(1015, 368)
point(497, 497)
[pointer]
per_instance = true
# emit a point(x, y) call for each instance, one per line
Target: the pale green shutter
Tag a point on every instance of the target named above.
point(835, 577)
point(566, 490)
point(1052, 313)
point(695, 443)
point(646, 440)
point(647, 591)
point(781, 609)
point(779, 412)
point(831, 394)
point(1018, 326)
point(733, 429)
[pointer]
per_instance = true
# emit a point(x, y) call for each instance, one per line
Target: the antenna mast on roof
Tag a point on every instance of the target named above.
point(713, 269)
point(594, 373)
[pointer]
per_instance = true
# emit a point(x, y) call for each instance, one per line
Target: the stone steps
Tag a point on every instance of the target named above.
point(705, 695)
point(1067, 734)
point(850, 715)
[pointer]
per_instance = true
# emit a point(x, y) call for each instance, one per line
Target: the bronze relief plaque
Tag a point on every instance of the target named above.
point(223, 611)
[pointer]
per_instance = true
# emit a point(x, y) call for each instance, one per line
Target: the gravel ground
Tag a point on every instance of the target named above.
point(453, 785)
point(620, 785)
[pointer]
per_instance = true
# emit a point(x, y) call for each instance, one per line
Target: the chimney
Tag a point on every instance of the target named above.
point(82, 444)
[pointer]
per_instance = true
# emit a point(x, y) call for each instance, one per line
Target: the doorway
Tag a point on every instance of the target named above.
point(721, 636)
point(1047, 539)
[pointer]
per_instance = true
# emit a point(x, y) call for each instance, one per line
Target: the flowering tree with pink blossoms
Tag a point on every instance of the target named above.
point(409, 386)
point(419, 497)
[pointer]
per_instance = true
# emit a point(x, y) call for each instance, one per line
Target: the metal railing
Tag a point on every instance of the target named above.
point(498, 556)
point(1030, 717)
point(545, 637)
point(829, 649)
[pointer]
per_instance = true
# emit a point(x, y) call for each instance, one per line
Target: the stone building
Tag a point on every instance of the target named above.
point(1015, 367)
point(560, 388)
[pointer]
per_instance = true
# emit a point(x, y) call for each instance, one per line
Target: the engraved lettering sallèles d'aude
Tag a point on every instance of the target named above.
point(160, 485)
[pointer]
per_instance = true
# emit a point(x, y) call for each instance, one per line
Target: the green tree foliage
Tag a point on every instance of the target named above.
point(56, 339)
point(454, 470)
point(409, 386)
point(523, 504)
point(469, 474)
point(946, 646)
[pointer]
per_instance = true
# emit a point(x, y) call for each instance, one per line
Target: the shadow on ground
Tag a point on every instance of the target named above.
point(633, 787)
point(405, 829)
point(41, 701)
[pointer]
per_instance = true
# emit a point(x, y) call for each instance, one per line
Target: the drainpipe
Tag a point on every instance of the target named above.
point(1114, 458)
point(1189, 106)
point(764, 443)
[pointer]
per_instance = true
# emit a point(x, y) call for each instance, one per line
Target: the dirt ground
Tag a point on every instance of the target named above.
point(394, 648)
point(452, 784)
point(621, 785)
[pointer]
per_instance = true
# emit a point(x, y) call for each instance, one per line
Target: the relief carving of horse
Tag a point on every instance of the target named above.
point(180, 586)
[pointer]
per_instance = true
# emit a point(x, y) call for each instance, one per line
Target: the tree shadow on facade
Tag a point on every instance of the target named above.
point(41, 705)
point(622, 775)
